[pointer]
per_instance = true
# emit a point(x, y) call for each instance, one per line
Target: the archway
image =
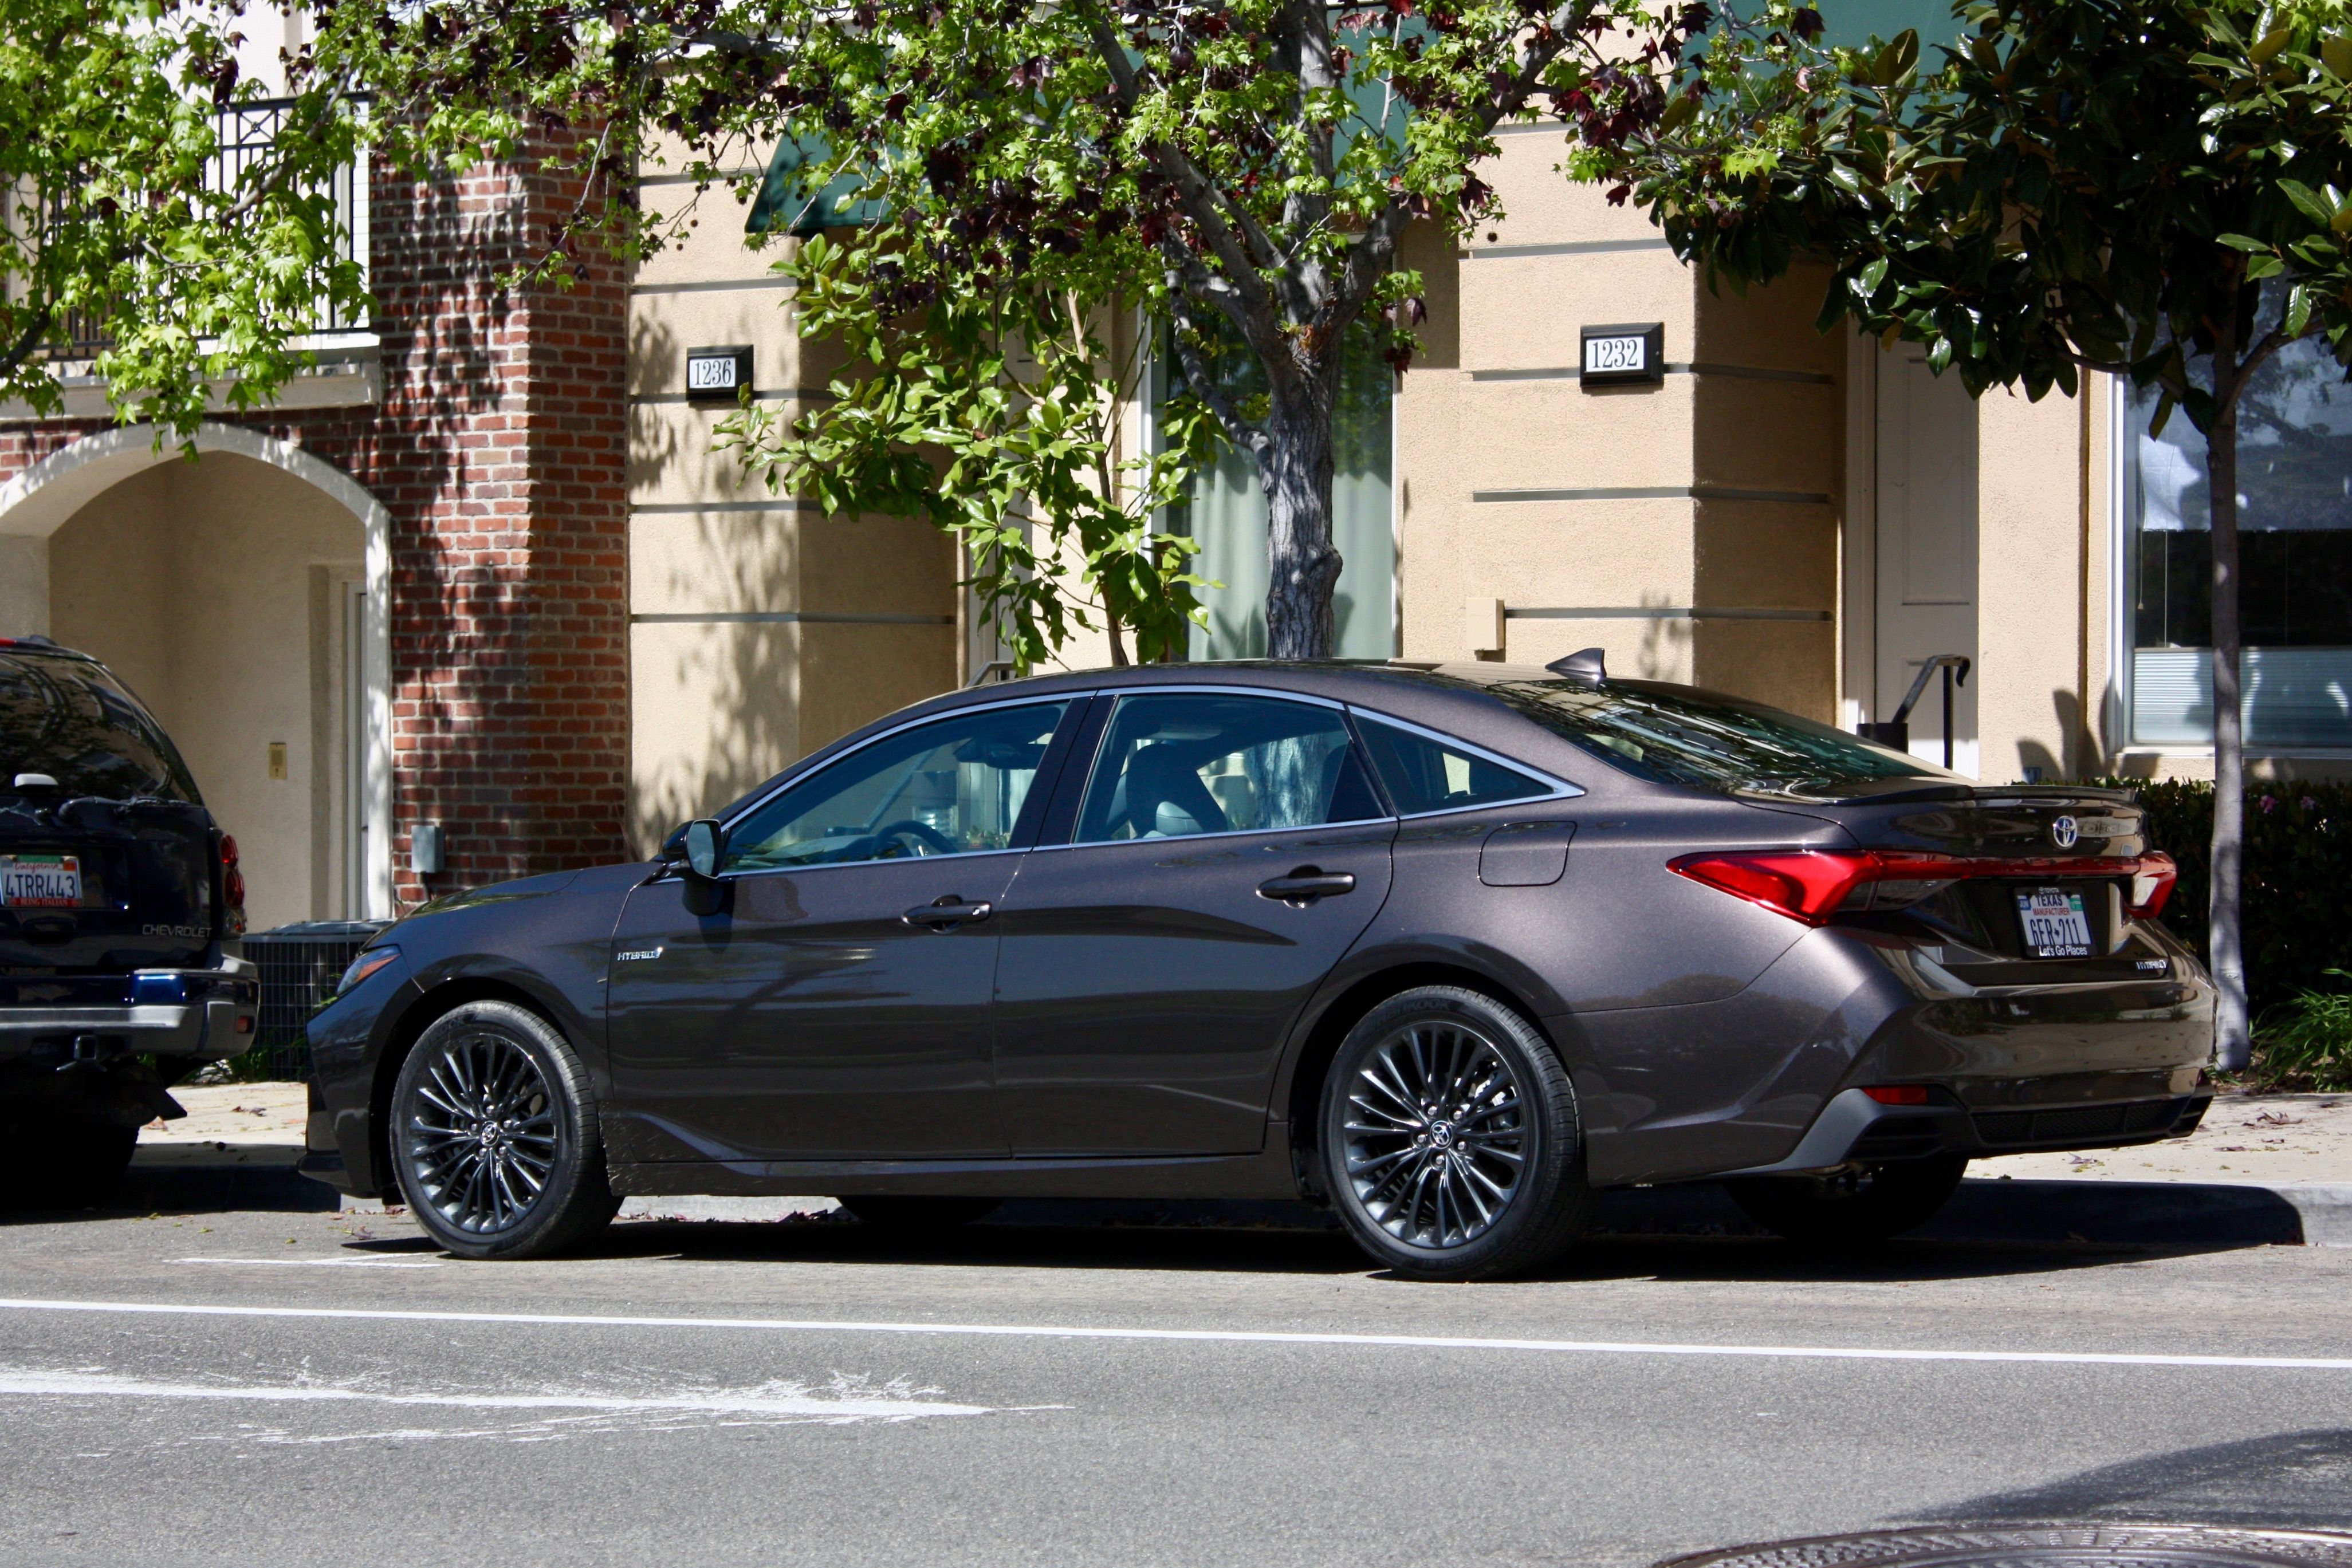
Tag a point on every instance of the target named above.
point(74, 484)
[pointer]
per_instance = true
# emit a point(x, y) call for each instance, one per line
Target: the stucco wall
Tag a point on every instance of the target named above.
point(1689, 527)
point(760, 629)
point(195, 583)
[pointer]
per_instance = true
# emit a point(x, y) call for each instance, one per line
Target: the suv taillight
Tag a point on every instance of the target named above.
point(1812, 885)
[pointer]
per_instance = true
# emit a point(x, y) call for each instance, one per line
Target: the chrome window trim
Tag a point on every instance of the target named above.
point(1561, 789)
point(810, 766)
point(959, 857)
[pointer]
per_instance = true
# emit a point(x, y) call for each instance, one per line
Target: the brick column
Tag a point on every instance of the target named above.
point(499, 449)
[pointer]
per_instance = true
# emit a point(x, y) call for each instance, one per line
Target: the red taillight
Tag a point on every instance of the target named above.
point(1804, 884)
point(233, 888)
point(2152, 884)
point(228, 855)
point(1898, 1093)
point(1812, 884)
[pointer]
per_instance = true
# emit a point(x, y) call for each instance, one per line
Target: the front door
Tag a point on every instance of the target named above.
point(1927, 549)
point(834, 1003)
point(1228, 851)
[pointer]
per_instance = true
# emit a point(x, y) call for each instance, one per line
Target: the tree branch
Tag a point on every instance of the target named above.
point(22, 349)
point(1244, 435)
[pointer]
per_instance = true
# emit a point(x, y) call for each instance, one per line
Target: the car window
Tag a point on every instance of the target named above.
point(68, 718)
point(950, 788)
point(1197, 763)
point(1676, 734)
point(1422, 774)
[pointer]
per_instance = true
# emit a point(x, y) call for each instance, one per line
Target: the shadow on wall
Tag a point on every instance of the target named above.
point(2287, 1481)
point(714, 693)
point(2038, 764)
point(1666, 642)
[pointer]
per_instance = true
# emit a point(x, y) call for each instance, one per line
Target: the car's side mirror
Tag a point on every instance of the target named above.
point(706, 840)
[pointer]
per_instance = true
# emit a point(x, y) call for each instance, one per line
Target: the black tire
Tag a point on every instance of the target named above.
point(1851, 1209)
point(891, 1215)
point(1502, 1105)
point(69, 1163)
point(491, 1100)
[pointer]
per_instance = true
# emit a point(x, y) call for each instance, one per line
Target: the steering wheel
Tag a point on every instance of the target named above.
point(937, 842)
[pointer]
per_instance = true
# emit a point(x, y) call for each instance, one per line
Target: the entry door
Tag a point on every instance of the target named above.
point(831, 1000)
point(1927, 549)
point(1229, 851)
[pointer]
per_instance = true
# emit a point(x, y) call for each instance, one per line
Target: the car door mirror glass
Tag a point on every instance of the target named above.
point(953, 786)
point(705, 841)
point(1183, 763)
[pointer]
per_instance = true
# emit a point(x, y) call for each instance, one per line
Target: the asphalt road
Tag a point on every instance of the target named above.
point(265, 1389)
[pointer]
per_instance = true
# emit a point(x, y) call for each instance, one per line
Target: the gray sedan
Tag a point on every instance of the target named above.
point(1447, 949)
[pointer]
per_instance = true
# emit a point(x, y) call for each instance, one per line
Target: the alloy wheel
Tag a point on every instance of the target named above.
point(482, 1135)
point(1437, 1137)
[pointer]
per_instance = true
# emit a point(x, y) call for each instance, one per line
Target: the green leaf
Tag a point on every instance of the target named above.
point(2314, 206)
point(2261, 266)
point(2298, 310)
point(2243, 241)
point(1679, 113)
point(2270, 44)
point(2337, 53)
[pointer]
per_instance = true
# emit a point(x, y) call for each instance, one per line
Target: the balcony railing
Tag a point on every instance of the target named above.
point(246, 133)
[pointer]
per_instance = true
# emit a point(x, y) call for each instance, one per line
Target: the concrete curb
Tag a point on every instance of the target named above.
point(1996, 1210)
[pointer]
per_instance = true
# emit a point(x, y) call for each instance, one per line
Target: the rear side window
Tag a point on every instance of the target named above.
point(1675, 735)
point(68, 719)
point(1188, 763)
point(1426, 775)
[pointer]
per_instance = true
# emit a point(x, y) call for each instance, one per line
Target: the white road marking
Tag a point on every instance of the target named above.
point(1207, 1336)
point(320, 1262)
point(775, 1402)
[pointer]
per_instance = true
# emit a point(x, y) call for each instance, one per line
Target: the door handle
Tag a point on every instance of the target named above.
point(1305, 886)
point(948, 912)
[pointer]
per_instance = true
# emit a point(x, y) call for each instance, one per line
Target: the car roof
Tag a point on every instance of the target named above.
point(1445, 698)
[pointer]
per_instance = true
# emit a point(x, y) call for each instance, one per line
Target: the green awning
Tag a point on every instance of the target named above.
point(786, 204)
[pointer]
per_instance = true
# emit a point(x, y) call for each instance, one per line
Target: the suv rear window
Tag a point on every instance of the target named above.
point(1675, 735)
point(68, 718)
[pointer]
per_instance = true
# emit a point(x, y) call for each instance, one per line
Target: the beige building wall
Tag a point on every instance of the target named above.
point(1688, 528)
point(761, 629)
point(207, 587)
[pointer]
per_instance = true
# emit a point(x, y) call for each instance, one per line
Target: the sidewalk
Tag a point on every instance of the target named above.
point(2261, 1168)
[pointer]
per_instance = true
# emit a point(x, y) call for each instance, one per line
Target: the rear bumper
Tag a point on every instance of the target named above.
point(215, 1021)
point(1854, 1129)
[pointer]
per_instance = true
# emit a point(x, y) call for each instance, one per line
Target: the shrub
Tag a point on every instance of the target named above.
point(2306, 1042)
point(2298, 898)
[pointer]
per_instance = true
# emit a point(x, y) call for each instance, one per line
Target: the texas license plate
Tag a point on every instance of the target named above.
point(40, 882)
point(2055, 926)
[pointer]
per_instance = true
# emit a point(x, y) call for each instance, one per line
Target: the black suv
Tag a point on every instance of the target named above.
point(116, 890)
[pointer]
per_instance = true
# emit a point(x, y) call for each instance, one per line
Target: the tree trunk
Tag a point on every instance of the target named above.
point(1294, 468)
point(2232, 1044)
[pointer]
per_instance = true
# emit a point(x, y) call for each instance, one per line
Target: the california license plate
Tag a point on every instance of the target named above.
point(40, 882)
point(2055, 926)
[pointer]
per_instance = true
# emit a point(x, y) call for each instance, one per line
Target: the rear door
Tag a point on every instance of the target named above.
point(1227, 849)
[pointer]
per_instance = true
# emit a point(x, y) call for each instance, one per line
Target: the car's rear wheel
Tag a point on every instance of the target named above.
point(496, 1137)
point(1450, 1141)
point(1851, 1208)
point(892, 1215)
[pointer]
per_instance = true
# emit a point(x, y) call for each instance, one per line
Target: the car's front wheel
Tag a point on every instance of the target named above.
point(1450, 1141)
point(1851, 1208)
point(495, 1138)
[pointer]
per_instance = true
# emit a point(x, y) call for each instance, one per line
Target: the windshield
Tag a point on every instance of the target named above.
point(66, 718)
point(1675, 735)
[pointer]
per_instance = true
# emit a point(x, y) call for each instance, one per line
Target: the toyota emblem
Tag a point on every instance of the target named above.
point(2064, 833)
